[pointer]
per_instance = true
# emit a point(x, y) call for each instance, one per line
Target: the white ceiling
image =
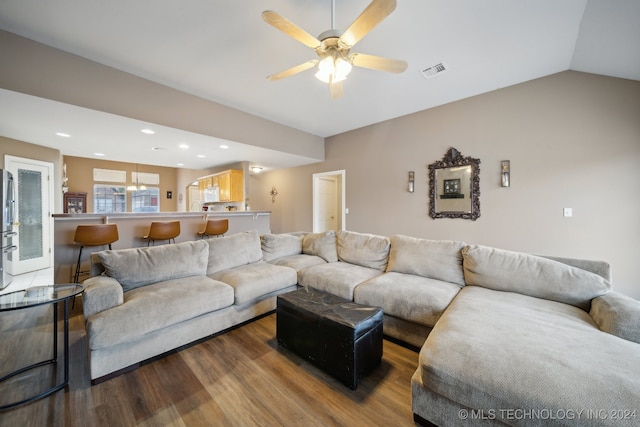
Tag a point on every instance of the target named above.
point(223, 51)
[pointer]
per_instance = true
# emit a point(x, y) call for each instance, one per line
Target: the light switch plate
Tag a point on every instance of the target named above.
point(568, 212)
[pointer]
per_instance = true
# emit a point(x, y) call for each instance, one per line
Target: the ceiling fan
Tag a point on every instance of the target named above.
point(335, 60)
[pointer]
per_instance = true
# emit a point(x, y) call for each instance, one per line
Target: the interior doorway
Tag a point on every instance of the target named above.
point(194, 204)
point(329, 212)
point(33, 221)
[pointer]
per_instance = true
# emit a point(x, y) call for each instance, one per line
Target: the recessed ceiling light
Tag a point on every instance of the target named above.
point(99, 154)
point(147, 131)
point(202, 156)
point(179, 164)
point(224, 147)
point(256, 169)
point(183, 146)
point(64, 135)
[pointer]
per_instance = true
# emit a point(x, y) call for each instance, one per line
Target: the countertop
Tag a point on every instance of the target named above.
point(157, 214)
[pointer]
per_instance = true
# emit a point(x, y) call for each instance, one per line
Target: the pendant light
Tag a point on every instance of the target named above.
point(137, 186)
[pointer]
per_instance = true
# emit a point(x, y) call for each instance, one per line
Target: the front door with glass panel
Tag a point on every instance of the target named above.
point(32, 213)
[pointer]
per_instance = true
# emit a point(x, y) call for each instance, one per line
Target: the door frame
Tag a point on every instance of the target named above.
point(318, 202)
point(48, 210)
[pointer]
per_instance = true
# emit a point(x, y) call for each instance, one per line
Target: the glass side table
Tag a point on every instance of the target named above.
point(33, 297)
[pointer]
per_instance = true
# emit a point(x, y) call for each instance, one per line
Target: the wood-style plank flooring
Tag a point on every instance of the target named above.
point(239, 378)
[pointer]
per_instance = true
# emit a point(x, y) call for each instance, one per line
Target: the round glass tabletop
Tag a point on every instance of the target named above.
point(38, 295)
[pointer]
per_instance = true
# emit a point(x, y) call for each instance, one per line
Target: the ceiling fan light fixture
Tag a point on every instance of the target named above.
point(332, 47)
point(332, 70)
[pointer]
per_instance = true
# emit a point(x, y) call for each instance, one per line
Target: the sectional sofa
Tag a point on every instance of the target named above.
point(504, 337)
point(144, 302)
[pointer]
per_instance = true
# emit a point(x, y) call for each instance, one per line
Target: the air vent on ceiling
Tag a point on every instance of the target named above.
point(433, 71)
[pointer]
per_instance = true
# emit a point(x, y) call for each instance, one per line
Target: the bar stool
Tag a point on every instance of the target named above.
point(93, 235)
point(215, 227)
point(158, 230)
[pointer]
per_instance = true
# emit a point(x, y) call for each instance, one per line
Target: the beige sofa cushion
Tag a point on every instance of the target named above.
point(436, 259)
point(531, 275)
point(253, 281)
point(337, 278)
point(321, 244)
point(280, 245)
point(150, 308)
point(366, 250)
point(137, 267)
point(233, 251)
point(298, 262)
point(617, 314)
point(406, 296)
point(504, 351)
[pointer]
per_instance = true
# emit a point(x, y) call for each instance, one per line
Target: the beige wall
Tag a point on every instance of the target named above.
point(573, 140)
point(176, 180)
point(80, 174)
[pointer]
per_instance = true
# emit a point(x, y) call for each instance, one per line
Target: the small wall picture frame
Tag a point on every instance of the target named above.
point(75, 203)
point(169, 194)
point(452, 186)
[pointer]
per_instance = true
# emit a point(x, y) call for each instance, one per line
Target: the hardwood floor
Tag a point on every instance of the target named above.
point(240, 378)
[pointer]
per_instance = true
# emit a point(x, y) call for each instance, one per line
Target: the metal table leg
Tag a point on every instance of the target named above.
point(49, 361)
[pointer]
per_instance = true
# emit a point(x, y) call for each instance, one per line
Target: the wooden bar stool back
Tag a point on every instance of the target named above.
point(215, 227)
point(159, 230)
point(93, 235)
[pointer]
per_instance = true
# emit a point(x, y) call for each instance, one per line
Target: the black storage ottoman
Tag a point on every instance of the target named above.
point(339, 336)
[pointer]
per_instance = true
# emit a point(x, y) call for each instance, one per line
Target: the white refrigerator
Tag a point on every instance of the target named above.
point(7, 216)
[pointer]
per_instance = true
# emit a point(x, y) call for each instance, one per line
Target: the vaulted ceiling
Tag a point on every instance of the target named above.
point(223, 51)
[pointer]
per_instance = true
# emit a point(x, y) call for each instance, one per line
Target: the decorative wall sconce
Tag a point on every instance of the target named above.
point(273, 193)
point(506, 173)
point(65, 180)
point(412, 176)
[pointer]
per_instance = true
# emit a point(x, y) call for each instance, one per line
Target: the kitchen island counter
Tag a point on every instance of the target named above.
point(133, 226)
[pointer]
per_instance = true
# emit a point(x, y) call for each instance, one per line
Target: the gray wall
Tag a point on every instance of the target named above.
point(40, 70)
point(573, 140)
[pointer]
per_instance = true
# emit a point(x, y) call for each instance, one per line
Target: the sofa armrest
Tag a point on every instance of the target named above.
point(101, 293)
point(617, 314)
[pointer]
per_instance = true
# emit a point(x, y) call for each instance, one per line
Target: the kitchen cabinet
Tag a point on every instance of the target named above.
point(230, 185)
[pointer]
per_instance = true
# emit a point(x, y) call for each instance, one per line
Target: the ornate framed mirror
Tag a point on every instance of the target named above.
point(454, 187)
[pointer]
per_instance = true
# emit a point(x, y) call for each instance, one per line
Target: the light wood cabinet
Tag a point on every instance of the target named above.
point(230, 184)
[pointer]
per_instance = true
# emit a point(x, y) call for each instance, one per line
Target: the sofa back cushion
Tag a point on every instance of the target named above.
point(435, 259)
point(233, 251)
point(321, 244)
point(137, 267)
point(366, 250)
point(526, 274)
point(276, 246)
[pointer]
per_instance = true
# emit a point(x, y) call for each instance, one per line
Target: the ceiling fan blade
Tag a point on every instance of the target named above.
point(336, 90)
point(291, 29)
point(377, 63)
point(369, 18)
point(294, 70)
